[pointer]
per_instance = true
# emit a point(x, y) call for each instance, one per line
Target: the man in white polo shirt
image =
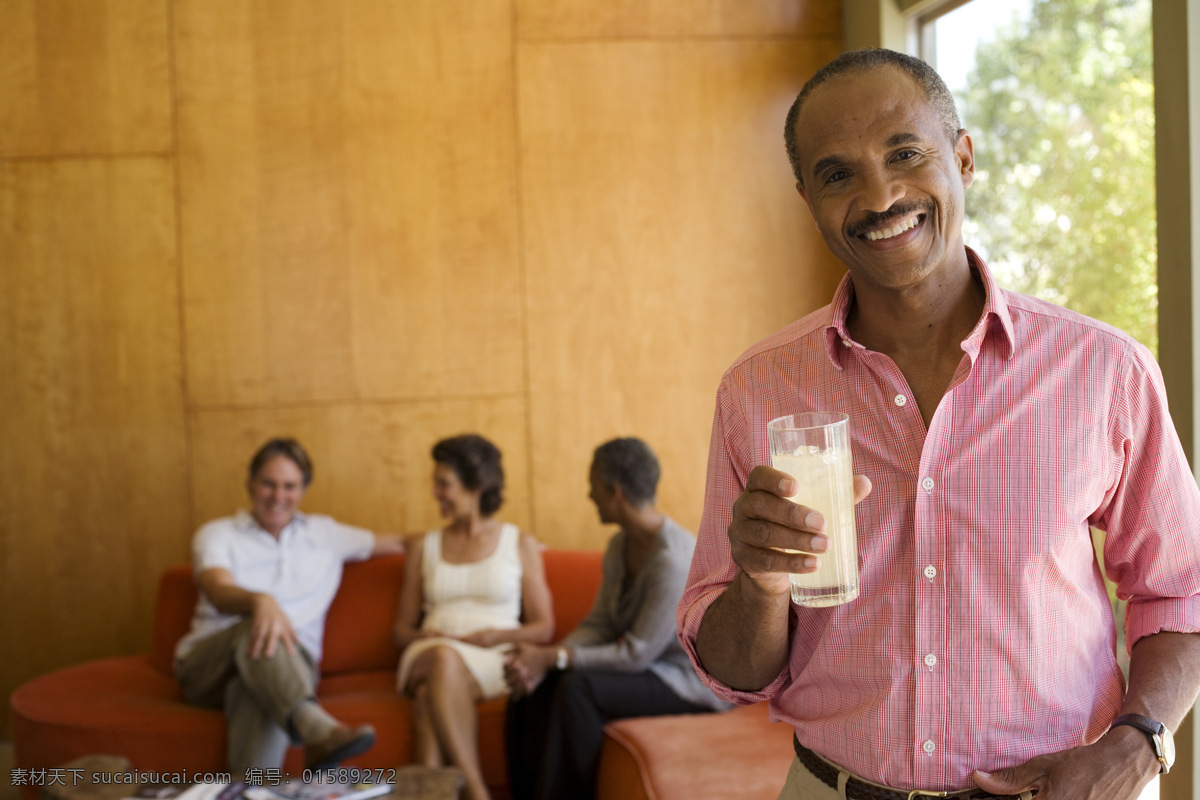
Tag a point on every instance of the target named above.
point(266, 581)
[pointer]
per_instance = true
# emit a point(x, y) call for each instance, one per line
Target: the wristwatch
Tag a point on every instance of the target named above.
point(1160, 738)
point(562, 660)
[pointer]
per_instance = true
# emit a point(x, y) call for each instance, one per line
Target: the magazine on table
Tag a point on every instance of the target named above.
point(189, 791)
point(325, 786)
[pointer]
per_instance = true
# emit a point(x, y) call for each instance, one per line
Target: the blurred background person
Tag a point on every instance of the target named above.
point(266, 580)
point(471, 591)
point(624, 659)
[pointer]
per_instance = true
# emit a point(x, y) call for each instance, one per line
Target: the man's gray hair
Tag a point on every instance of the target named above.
point(630, 464)
point(863, 61)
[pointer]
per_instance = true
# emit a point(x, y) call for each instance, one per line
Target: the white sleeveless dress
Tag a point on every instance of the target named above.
point(464, 598)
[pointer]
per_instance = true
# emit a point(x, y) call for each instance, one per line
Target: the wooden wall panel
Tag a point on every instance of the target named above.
point(663, 237)
point(349, 182)
point(369, 225)
point(371, 462)
point(83, 77)
point(93, 489)
point(574, 19)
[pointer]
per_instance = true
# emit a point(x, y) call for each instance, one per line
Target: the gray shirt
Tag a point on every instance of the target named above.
point(631, 628)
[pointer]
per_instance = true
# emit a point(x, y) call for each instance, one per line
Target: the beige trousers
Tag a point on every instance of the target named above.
point(258, 695)
point(803, 785)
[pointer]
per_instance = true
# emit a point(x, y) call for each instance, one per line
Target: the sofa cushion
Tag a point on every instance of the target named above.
point(740, 753)
point(121, 705)
point(574, 578)
point(358, 629)
point(174, 604)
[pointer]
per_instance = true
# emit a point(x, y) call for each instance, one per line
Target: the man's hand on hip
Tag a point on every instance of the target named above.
point(1117, 767)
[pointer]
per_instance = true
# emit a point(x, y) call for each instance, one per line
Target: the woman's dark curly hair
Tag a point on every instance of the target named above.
point(476, 462)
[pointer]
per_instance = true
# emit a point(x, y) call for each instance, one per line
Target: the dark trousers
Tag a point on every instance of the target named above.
point(554, 736)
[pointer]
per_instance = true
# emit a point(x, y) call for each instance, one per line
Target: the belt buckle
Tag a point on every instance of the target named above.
point(917, 794)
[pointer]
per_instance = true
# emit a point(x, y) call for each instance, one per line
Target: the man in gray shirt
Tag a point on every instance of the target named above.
point(624, 659)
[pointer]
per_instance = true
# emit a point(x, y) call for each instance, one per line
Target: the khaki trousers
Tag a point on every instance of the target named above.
point(803, 785)
point(258, 695)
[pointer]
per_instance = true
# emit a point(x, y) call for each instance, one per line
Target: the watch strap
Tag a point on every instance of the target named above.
point(1154, 729)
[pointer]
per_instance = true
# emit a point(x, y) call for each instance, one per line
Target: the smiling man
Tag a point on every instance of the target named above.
point(991, 431)
point(266, 581)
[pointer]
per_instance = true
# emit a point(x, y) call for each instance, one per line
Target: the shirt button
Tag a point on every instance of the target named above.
point(931, 572)
point(846, 342)
point(930, 660)
point(929, 747)
point(900, 400)
point(927, 484)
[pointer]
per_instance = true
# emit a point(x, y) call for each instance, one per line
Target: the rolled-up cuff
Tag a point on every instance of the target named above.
point(1148, 616)
point(689, 626)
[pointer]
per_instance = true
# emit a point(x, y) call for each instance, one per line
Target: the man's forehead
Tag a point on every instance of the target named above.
point(881, 77)
point(884, 106)
point(886, 89)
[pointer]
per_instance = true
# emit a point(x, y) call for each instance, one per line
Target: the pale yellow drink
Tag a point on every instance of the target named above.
point(816, 453)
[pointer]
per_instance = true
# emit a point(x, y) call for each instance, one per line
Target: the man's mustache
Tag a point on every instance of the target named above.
point(880, 219)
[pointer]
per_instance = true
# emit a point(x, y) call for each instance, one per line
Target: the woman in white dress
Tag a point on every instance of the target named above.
point(471, 591)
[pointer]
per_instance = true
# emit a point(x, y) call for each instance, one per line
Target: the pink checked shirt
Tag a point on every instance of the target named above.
point(983, 634)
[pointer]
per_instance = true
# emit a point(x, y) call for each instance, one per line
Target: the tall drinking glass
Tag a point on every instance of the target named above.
point(814, 448)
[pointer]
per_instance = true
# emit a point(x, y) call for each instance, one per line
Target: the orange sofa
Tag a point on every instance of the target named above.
point(131, 706)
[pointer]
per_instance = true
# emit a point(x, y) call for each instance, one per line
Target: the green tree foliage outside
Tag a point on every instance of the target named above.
point(1061, 110)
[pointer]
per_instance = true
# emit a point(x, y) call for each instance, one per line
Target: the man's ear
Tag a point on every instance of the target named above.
point(807, 201)
point(964, 148)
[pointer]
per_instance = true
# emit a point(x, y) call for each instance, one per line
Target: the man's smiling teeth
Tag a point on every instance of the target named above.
point(896, 230)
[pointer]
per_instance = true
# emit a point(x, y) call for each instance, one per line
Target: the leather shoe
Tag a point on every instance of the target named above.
point(341, 743)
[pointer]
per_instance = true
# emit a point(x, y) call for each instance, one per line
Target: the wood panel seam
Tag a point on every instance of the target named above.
point(522, 267)
point(61, 157)
point(181, 298)
point(696, 38)
point(357, 401)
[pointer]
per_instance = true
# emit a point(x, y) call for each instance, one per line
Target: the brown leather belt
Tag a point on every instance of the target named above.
point(857, 789)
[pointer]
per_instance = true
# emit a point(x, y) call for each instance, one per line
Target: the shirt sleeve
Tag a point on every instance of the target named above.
point(212, 548)
point(653, 627)
point(598, 627)
point(712, 567)
point(349, 542)
point(1152, 516)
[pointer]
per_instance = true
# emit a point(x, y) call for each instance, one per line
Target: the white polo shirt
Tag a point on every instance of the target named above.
point(302, 570)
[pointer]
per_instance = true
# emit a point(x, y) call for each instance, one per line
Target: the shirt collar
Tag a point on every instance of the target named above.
point(245, 522)
point(995, 318)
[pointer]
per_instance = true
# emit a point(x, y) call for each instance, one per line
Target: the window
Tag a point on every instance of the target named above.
point(1059, 98)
